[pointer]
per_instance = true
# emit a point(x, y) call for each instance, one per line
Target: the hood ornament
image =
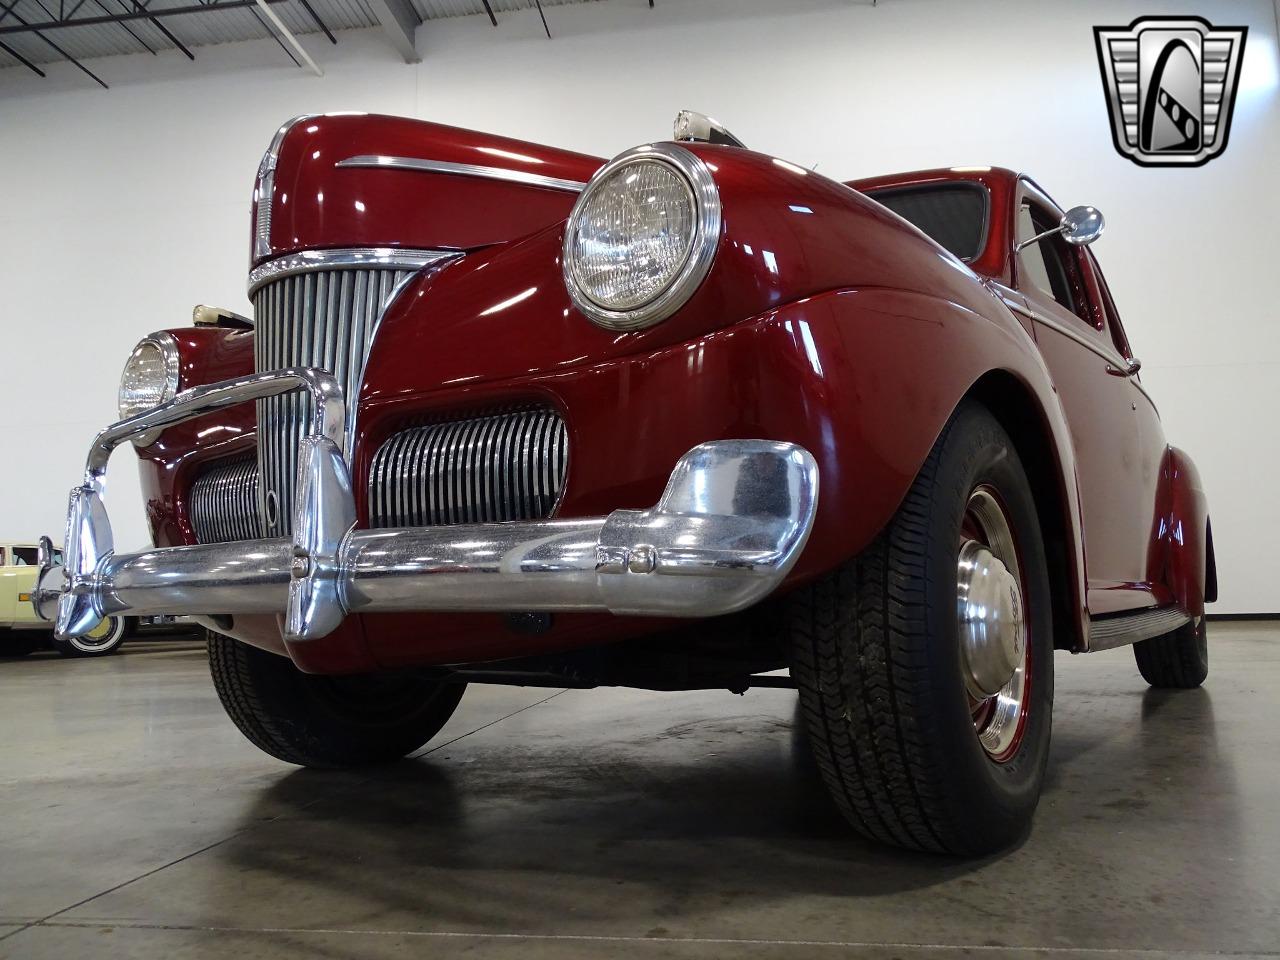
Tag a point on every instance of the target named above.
point(691, 126)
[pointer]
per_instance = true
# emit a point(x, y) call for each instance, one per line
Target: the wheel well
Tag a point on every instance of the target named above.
point(1210, 564)
point(1018, 411)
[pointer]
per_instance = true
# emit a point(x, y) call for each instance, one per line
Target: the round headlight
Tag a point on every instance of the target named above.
point(150, 375)
point(641, 236)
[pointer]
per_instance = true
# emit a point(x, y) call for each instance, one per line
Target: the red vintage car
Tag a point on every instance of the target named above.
point(679, 420)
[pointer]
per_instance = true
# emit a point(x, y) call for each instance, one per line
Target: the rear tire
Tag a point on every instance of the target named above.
point(1178, 660)
point(877, 658)
point(322, 721)
point(102, 645)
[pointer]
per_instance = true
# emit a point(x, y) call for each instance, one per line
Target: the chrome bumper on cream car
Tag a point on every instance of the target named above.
point(728, 528)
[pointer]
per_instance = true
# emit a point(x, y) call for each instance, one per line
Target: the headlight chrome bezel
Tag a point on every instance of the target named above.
point(168, 348)
point(707, 218)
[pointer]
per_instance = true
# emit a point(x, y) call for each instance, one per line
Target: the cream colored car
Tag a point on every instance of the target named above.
point(21, 631)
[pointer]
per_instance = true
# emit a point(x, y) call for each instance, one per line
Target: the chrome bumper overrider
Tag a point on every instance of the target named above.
point(729, 526)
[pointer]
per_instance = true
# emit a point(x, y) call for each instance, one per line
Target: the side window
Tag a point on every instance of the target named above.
point(954, 215)
point(3, 561)
point(1049, 264)
point(1118, 336)
point(24, 556)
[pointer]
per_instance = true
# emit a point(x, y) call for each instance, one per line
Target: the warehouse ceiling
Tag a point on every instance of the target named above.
point(37, 32)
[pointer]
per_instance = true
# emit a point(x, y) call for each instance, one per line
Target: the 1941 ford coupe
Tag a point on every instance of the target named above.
point(675, 421)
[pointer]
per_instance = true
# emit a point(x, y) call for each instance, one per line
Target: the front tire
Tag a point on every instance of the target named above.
point(911, 756)
point(321, 721)
point(102, 641)
point(1178, 660)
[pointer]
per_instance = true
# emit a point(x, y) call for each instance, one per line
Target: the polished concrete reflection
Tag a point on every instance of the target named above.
point(136, 822)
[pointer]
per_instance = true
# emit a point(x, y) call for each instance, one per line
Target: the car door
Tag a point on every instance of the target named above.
point(1092, 379)
point(20, 580)
point(8, 589)
point(1152, 442)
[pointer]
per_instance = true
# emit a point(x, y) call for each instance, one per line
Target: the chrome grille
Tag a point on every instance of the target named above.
point(223, 505)
point(504, 466)
point(321, 318)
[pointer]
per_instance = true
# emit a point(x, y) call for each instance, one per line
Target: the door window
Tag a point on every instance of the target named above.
point(1118, 336)
point(1049, 265)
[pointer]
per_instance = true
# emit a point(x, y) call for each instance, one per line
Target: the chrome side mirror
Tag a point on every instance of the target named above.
point(691, 126)
point(1079, 226)
point(1082, 225)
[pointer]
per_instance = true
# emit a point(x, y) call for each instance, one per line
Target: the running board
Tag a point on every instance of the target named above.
point(1126, 628)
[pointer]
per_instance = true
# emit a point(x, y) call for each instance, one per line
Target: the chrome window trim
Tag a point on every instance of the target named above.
point(702, 250)
point(1112, 357)
point(354, 257)
point(264, 189)
point(463, 170)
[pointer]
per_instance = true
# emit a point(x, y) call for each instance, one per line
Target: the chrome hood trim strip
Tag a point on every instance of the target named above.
point(264, 188)
point(463, 170)
point(355, 257)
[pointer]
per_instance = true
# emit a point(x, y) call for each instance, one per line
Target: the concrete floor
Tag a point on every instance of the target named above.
point(136, 822)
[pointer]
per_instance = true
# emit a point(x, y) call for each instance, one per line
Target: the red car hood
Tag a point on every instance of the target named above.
point(317, 202)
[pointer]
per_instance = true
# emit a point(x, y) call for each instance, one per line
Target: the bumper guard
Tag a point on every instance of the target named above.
point(728, 528)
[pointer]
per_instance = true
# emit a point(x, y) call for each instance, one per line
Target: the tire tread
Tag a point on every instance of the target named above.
point(864, 657)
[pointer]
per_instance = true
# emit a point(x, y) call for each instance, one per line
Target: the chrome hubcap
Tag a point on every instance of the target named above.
point(992, 633)
point(992, 625)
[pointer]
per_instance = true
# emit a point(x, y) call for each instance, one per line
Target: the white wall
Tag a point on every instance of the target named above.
point(123, 207)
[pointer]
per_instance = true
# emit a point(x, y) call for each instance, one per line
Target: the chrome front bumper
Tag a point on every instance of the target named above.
point(728, 528)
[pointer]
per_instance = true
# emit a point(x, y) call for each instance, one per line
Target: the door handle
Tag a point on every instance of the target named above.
point(1129, 368)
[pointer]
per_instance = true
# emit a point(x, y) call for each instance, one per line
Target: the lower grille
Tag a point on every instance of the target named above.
point(224, 502)
point(505, 466)
point(325, 319)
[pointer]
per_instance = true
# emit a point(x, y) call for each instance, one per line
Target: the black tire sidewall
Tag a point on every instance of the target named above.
point(990, 798)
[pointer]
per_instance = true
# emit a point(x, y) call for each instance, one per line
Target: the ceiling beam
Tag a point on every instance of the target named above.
point(287, 36)
point(136, 14)
point(399, 20)
point(162, 28)
point(9, 11)
point(20, 58)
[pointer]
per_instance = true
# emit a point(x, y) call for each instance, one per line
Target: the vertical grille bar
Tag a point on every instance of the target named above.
point(503, 466)
point(223, 503)
point(325, 319)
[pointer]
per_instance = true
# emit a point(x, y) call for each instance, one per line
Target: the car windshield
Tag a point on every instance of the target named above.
point(952, 214)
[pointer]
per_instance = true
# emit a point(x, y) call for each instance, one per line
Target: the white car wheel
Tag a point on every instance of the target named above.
point(101, 641)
